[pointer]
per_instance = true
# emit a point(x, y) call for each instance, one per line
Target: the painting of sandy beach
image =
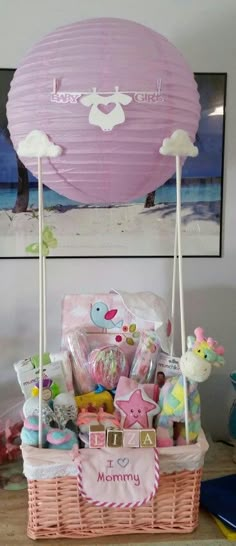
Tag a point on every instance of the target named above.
point(140, 228)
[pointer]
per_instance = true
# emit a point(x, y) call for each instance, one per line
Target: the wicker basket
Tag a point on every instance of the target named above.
point(57, 509)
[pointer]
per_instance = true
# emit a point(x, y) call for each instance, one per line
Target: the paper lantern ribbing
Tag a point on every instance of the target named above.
point(110, 143)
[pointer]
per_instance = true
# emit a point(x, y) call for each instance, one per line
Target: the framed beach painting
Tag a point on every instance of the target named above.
point(142, 228)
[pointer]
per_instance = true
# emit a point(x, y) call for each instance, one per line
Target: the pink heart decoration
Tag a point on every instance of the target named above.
point(106, 108)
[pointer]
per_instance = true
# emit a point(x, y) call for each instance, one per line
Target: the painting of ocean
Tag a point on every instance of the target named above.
point(144, 227)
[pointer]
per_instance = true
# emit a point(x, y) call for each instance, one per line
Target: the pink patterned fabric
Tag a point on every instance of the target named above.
point(98, 166)
point(118, 477)
point(126, 385)
point(122, 330)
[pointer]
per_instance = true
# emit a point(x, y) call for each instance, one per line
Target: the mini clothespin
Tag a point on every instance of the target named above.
point(159, 82)
point(54, 88)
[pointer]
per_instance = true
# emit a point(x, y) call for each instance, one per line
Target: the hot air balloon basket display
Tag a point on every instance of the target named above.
point(104, 111)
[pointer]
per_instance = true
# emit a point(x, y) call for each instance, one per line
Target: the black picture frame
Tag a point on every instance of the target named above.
point(214, 209)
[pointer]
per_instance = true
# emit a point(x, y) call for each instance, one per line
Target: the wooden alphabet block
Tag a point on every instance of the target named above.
point(97, 439)
point(96, 428)
point(131, 438)
point(115, 438)
point(148, 438)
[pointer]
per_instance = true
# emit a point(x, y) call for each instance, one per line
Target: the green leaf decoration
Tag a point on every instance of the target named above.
point(55, 389)
point(132, 328)
point(46, 360)
point(34, 248)
point(136, 334)
point(130, 341)
point(48, 237)
point(49, 241)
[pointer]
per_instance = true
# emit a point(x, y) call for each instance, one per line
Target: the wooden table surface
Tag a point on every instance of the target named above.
point(13, 516)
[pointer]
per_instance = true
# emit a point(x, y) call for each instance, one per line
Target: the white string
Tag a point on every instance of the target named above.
point(44, 305)
point(181, 291)
point(41, 295)
point(44, 286)
point(173, 292)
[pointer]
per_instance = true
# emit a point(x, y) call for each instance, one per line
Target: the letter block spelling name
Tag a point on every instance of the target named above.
point(97, 439)
point(148, 438)
point(131, 438)
point(115, 438)
point(134, 438)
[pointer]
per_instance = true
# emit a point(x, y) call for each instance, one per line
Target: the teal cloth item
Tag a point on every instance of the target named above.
point(31, 437)
point(64, 439)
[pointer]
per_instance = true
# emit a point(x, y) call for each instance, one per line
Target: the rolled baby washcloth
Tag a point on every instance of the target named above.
point(61, 439)
point(30, 432)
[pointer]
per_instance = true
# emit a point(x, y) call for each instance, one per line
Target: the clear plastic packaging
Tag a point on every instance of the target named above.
point(106, 365)
point(77, 343)
point(146, 357)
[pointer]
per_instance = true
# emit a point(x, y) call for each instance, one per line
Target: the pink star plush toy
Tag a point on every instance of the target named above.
point(137, 409)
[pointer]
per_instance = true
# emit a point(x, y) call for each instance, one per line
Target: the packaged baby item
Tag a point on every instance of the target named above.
point(167, 366)
point(106, 365)
point(92, 401)
point(53, 380)
point(64, 358)
point(77, 343)
point(146, 356)
point(57, 368)
point(116, 319)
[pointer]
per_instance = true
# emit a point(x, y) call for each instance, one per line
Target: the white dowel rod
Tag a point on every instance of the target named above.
point(181, 291)
point(44, 285)
point(173, 297)
point(44, 306)
point(41, 298)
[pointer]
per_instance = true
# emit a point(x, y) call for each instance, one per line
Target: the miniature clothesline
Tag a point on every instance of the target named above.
point(94, 90)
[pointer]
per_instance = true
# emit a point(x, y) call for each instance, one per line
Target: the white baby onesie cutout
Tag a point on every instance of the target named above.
point(106, 120)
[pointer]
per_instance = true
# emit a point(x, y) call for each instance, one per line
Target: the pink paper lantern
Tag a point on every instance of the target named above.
point(100, 166)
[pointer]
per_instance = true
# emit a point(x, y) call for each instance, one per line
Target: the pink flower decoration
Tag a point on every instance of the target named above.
point(125, 328)
point(118, 338)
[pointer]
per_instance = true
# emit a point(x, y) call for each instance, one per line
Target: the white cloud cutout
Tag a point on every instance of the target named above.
point(37, 144)
point(180, 144)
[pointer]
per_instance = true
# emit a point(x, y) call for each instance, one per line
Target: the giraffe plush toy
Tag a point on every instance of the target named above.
point(196, 365)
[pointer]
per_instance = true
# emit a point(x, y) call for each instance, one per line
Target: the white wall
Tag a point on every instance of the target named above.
point(204, 31)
